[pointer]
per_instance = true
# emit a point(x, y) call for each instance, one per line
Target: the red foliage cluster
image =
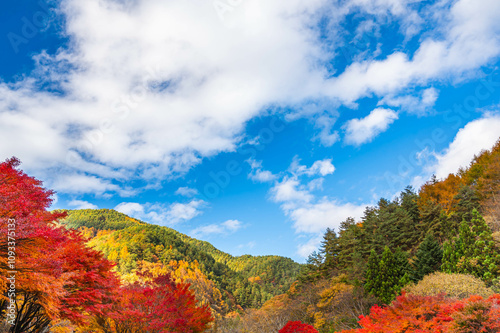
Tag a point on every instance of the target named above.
point(23, 199)
point(59, 277)
point(297, 327)
point(160, 306)
point(436, 314)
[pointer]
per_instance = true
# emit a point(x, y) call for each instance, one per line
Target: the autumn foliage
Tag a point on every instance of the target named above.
point(411, 313)
point(297, 327)
point(60, 279)
point(160, 305)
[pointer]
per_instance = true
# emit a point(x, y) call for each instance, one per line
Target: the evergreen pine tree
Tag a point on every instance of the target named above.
point(429, 257)
point(372, 273)
point(385, 278)
point(433, 220)
point(310, 271)
point(330, 250)
point(474, 251)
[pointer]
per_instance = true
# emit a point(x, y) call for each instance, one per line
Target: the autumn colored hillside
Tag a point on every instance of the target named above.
point(223, 281)
point(440, 244)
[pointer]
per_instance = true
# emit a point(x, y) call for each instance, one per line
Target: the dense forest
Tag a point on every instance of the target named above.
point(236, 282)
point(424, 261)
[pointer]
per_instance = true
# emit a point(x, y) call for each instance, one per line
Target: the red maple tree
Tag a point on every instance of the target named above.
point(162, 306)
point(57, 275)
point(59, 278)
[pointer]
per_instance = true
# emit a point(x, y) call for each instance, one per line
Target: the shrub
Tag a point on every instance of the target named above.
point(297, 327)
point(431, 314)
point(454, 285)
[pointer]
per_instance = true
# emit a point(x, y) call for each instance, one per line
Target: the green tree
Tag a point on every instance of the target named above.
point(428, 259)
point(474, 251)
point(330, 250)
point(386, 277)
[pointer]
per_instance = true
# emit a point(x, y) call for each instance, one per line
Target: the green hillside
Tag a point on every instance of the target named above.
point(247, 281)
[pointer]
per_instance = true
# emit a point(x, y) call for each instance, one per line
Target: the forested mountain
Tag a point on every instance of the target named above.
point(443, 239)
point(245, 281)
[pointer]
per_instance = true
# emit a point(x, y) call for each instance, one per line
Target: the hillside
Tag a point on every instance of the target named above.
point(245, 281)
point(441, 244)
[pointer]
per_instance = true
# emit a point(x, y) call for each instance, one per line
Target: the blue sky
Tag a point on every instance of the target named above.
point(254, 125)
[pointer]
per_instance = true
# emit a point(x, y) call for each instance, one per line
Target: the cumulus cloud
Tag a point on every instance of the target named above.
point(477, 135)
point(320, 167)
point(82, 183)
point(359, 131)
point(225, 228)
point(168, 83)
point(326, 213)
point(258, 174)
point(163, 215)
point(311, 215)
point(290, 190)
point(179, 212)
point(130, 208)
point(467, 40)
point(162, 87)
point(80, 204)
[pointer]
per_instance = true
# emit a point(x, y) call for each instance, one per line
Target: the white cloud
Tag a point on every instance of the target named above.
point(168, 84)
point(162, 87)
point(80, 204)
point(257, 174)
point(466, 37)
point(179, 212)
point(186, 191)
point(262, 176)
point(290, 190)
point(309, 214)
point(359, 131)
point(82, 183)
point(323, 168)
point(327, 135)
point(315, 184)
point(313, 244)
point(420, 105)
point(477, 135)
point(159, 214)
point(327, 213)
point(130, 208)
point(320, 167)
point(225, 228)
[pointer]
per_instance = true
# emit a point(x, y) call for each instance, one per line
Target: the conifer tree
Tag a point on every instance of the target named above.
point(373, 282)
point(433, 220)
point(474, 251)
point(386, 277)
point(330, 249)
point(428, 259)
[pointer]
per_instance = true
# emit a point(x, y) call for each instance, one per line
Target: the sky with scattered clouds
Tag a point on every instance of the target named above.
point(254, 125)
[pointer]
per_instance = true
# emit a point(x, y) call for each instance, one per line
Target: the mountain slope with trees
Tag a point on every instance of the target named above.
point(245, 281)
point(441, 243)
